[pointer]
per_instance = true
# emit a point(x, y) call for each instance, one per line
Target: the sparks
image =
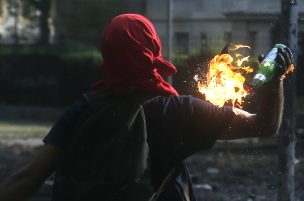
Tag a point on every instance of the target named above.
point(225, 80)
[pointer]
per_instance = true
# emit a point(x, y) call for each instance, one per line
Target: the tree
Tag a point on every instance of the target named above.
point(44, 6)
point(81, 22)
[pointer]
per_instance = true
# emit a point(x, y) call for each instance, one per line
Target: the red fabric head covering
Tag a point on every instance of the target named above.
point(132, 58)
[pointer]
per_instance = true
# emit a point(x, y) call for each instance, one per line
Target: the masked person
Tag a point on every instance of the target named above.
point(98, 147)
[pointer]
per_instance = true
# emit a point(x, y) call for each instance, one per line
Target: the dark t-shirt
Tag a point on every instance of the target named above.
point(177, 126)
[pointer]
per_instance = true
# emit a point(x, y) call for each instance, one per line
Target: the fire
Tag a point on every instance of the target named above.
point(289, 70)
point(240, 61)
point(225, 79)
point(236, 47)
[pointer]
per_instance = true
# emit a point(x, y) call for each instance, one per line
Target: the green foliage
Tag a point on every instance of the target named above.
point(47, 75)
point(180, 59)
point(82, 21)
point(72, 54)
point(191, 61)
point(28, 10)
point(79, 54)
point(1, 8)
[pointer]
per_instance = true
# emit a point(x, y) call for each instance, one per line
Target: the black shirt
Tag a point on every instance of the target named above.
point(177, 127)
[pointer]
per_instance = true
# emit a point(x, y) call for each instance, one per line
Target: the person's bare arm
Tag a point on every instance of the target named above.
point(267, 120)
point(29, 178)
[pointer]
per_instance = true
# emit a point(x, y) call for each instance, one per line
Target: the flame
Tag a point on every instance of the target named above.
point(239, 62)
point(225, 80)
point(236, 47)
point(289, 70)
point(237, 55)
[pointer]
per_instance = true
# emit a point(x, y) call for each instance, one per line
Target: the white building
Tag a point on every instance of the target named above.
point(209, 25)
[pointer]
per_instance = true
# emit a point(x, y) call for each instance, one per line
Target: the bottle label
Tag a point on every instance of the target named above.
point(259, 76)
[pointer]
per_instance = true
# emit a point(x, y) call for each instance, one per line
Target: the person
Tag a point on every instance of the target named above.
point(177, 125)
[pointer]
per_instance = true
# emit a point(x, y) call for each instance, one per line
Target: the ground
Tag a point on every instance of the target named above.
point(242, 172)
point(231, 171)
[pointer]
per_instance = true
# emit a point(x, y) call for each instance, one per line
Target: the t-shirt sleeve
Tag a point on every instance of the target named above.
point(62, 130)
point(179, 126)
point(206, 122)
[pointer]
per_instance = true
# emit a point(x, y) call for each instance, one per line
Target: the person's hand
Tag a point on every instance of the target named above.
point(284, 59)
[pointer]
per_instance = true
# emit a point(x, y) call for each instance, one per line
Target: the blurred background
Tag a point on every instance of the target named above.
point(49, 56)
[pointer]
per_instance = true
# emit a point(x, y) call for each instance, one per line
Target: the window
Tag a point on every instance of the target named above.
point(181, 41)
point(252, 40)
point(227, 37)
point(203, 41)
point(301, 40)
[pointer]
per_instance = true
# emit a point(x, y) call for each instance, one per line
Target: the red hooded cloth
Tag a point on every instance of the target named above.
point(132, 58)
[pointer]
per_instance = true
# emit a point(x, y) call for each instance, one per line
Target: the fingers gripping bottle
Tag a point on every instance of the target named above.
point(267, 69)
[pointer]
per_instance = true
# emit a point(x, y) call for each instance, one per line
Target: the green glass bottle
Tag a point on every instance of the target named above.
point(267, 69)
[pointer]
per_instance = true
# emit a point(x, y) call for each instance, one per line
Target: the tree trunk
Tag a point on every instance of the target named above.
point(44, 24)
point(287, 134)
point(16, 22)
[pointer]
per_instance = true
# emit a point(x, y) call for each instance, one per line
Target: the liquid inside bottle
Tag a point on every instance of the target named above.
point(267, 69)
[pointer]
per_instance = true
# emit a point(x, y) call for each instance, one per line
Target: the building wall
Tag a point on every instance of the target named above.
point(209, 25)
point(247, 21)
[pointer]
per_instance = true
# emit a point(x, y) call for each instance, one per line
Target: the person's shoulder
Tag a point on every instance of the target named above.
point(178, 100)
point(77, 106)
point(181, 102)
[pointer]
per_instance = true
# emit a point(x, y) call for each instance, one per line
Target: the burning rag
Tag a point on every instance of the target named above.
point(132, 57)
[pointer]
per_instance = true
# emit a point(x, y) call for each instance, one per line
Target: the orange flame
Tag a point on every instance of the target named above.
point(239, 62)
point(225, 80)
point(236, 47)
point(289, 70)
